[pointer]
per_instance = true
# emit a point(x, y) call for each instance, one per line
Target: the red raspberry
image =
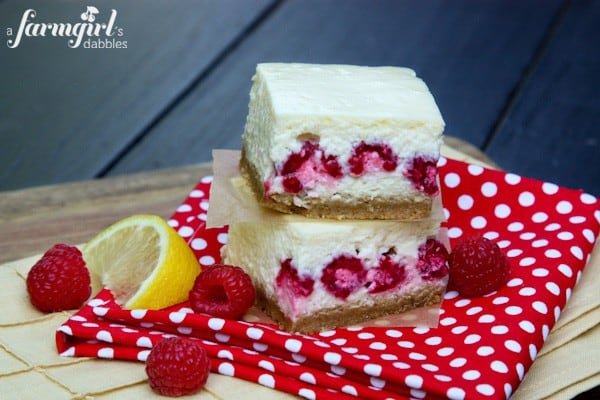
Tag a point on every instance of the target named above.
point(387, 275)
point(59, 280)
point(344, 275)
point(331, 165)
point(363, 151)
point(433, 258)
point(224, 291)
point(177, 367)
point(324, 164)
point(294, 162)
point(289, 279)
point(478, 267)
point(422, 172)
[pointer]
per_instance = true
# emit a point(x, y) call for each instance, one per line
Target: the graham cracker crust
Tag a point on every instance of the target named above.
point(354, 208)
point(348, 315)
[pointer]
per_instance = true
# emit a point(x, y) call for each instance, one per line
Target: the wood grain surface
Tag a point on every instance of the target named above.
point(71, 112)
point(555, 114)
point(456, 51)
point(509, 77)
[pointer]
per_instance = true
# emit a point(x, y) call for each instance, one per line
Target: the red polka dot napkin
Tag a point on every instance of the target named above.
point(482, 347)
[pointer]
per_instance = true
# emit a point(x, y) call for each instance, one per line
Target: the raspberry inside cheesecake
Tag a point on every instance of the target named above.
point(312, 275)
point(339, 141)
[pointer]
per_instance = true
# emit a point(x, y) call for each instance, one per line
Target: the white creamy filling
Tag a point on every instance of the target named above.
point(285, 143)
point(321, 299)
point(340, 105)
point(369, 186)
point(339, 135)
point(259, 248)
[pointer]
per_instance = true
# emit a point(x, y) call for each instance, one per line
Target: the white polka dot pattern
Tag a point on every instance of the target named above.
point(482, 347)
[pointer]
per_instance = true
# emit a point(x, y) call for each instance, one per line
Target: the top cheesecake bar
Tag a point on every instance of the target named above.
point(342, 141)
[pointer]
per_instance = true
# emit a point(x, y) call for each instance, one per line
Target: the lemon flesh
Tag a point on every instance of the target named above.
point(143, 262)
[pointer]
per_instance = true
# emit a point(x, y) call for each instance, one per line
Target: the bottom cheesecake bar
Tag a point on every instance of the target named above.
point(313, 275)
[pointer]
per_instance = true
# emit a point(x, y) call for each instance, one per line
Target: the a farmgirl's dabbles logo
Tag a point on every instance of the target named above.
point(89, 32)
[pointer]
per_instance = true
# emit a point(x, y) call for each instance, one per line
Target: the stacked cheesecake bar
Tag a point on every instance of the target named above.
point(348, 156)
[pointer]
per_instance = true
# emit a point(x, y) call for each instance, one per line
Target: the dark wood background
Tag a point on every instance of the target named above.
point(518, 79)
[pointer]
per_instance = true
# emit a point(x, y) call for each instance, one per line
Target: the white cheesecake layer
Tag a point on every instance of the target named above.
point(378, 184)
point(260, 248)
point(340, 106)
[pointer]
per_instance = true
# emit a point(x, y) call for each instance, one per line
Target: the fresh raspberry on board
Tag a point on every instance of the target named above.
point(224, 291)
point(59, 280)
point(177, 367)
point(478, 267)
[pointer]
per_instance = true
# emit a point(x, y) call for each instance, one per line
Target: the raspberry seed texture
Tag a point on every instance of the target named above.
point(344, 275)
point(433, 259)
point(478, 267)
point(302, 167)
point(177, 367)
point(224, 291)
point(59, 280)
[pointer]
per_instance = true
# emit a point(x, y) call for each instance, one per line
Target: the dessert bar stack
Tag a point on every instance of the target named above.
point(347, 155)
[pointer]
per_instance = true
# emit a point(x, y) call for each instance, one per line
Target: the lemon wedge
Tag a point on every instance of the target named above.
point(143, 262)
